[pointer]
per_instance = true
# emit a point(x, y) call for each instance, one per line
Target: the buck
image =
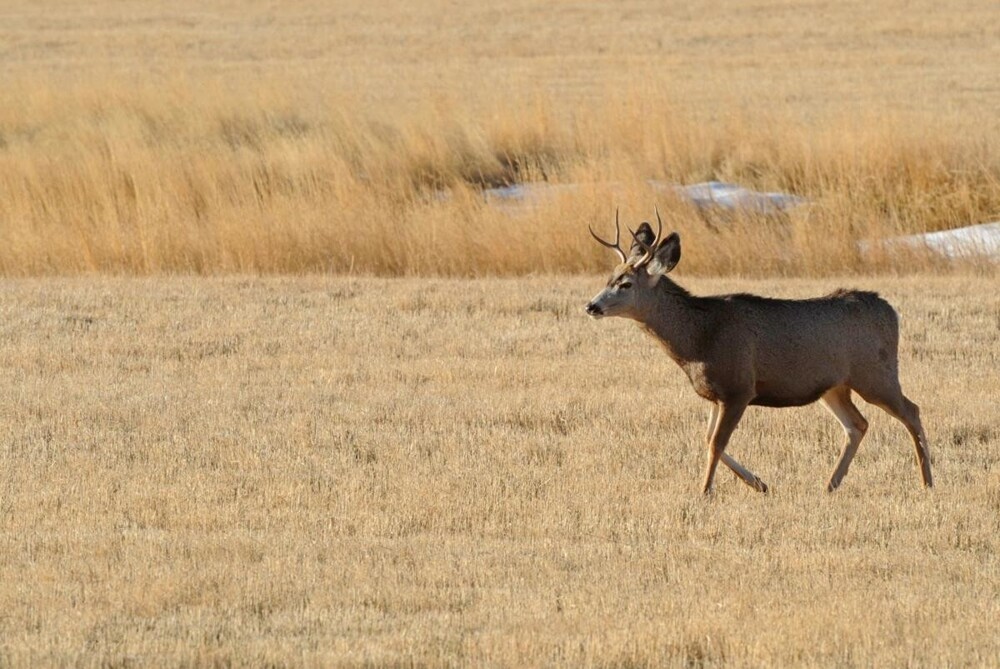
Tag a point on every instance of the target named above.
point(742, 350)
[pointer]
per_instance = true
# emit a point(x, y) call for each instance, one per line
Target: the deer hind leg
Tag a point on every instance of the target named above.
point(742, 472)
point(908, 414)
point(916, 429)
point(893, 402)
point(838, 401)
point(729, 415)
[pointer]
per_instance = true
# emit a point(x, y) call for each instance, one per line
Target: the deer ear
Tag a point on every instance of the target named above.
point(666, 256)
point(644, 234)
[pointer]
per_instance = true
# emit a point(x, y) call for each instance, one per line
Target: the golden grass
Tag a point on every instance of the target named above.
point(154, 137)
point(349, 472)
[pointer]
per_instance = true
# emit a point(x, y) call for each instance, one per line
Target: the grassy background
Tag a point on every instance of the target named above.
point(141, 137)
point(313, 472)
point(357, 470)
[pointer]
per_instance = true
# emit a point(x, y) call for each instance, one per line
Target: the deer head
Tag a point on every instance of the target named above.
point(632, 282)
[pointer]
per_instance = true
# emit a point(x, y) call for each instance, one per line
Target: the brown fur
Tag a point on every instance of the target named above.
point(741, 350)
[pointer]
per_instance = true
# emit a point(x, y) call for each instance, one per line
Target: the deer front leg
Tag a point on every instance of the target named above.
point(745, 474)
point(742, 472)
point(729, 414)
point(713, 419)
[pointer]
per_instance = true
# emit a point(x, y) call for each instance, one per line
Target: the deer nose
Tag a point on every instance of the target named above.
point(593, 309)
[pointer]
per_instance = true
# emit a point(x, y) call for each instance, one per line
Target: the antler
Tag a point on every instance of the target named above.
point(616, 247)
point(649, 249)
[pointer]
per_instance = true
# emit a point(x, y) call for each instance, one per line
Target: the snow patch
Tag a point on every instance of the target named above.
point(967, 242)
point(705, 196)
point(732, 197)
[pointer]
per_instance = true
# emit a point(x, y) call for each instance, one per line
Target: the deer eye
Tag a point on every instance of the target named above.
point(625, 284)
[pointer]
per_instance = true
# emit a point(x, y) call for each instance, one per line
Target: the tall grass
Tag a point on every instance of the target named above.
point(200, 177)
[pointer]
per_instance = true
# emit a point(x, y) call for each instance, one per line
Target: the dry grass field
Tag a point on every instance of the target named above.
point(143, 137)
point(326, 471)
point(411, 448)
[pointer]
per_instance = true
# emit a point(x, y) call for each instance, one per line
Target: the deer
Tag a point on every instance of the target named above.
point(743, 350)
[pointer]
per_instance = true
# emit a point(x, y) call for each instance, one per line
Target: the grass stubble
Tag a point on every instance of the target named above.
point(441, 472)
point(364, 471)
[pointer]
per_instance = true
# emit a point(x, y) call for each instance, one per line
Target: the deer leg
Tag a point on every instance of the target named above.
point(745, 474)
point(893, 402)
point(908, 414)
point(729, 416)
point(916, 430)
point(713, 419)
point(838, 401)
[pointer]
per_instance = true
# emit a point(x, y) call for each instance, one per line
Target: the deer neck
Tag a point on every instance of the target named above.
point(671, 316)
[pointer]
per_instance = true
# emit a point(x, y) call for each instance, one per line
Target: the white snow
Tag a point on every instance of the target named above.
point(732, 197)
point(706, 195)
point(526, 193)
point(970, 241)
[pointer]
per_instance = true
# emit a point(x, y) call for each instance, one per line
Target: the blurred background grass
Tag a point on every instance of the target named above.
point(145, 138)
